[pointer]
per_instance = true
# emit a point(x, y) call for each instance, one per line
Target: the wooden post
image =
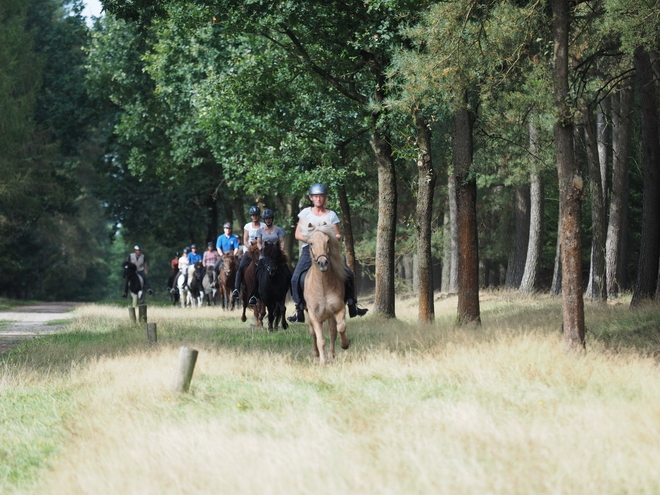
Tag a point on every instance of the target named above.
point(187, 360)
point(152, 337)
point(142, 309)
point(131, 314)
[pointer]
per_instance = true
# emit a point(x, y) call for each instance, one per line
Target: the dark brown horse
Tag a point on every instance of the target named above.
point(246, 287)
point(226, 278)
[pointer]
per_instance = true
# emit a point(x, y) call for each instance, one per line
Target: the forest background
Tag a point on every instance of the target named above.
point(433, 123)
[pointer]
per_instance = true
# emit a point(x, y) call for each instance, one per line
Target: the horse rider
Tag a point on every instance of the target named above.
point(183, 265)
point(210, 259)
point(270, 233)
point(138, 259)
point(226, 243)
point(317, 215)
point(174, 271)
point(249, 236)
point(193, 255)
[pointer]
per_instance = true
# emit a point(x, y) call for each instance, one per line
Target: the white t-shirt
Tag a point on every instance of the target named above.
point(307, 217)
point(252, 233)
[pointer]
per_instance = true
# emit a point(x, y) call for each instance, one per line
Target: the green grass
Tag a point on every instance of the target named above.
point(407, 409)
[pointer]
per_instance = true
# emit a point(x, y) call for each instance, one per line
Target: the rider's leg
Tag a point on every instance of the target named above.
point(350, 297)
point(245, 261)
point(303, 265)
point(254, 294)
point(147, 285)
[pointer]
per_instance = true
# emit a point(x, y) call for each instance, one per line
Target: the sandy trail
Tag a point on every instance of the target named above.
point(29, 322)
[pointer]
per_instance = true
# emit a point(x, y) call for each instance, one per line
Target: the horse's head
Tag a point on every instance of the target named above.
point(273, 257)
point(229, 263)
point(320, 248)
point(253, 251)
point(128, 268)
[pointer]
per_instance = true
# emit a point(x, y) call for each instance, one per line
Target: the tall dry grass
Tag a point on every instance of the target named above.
point(498, 409)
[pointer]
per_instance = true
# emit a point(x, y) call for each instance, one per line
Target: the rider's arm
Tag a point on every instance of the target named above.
point(335, 227)
point(299, 235)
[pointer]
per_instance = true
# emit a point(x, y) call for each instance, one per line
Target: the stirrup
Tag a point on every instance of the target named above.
point(235, 294)
point(297, 317)
point(252, 301)
point(354, 311)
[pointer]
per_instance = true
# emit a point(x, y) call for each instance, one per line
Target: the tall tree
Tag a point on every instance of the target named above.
point(571, 185)
point(649, 251)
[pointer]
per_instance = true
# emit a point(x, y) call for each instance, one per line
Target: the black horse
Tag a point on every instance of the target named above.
point(134, 282)
point(272, 282)
point(196, 285)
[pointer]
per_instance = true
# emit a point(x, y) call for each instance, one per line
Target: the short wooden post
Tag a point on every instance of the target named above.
point(151, 333)
point(131, 314)
point(187, 360)
point(142, 310)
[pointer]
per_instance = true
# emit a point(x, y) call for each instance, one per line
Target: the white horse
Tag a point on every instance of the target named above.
point(184, 289)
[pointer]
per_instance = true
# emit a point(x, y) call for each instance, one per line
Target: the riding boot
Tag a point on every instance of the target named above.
point(298, 316)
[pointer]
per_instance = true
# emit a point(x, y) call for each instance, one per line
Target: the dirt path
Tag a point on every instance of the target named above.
point(29, 322)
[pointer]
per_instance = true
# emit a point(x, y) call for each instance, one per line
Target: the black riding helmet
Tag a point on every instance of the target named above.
point(268, 213)
point(254, 210)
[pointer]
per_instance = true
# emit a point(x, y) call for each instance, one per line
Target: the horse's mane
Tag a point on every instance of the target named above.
point(334, 247)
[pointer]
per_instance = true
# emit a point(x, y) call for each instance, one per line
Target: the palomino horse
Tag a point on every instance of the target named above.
point(324, 291)
point(273, 279)
point(226, 279)
point(135, 283)
point(246, 288)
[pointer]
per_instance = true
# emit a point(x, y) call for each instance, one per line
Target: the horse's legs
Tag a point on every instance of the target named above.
point(332, 331)
point(344, 341)
point(318, 343)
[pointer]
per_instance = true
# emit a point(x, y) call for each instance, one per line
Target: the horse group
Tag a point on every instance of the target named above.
point(324, 288)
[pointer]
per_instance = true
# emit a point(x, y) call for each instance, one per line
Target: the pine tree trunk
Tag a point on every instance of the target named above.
point(423, 215)
point(453, 234)
point(535, 244)
point(387, 203)
point(347, 227)
point(649, 251)
point(621, 122)
point(466, 201)
point(518, 253)
point(598, 220)
point(570, 187)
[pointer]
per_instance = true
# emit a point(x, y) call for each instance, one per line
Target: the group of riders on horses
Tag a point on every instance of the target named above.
point(261, 233)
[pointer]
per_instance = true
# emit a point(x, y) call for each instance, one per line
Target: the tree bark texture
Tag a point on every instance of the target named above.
point(596, 283)
point(518, 253)
point(451, 231)
point(621, 123)
point(466, 202)
point(347, 226)
point(649, 251)
point(387, 202)
point(423, 214)
point(535, 243)
point(570, 187)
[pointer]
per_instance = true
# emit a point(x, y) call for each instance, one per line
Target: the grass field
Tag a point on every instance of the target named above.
point(496, 409)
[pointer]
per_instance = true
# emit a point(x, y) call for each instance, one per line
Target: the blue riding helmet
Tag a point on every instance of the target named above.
point(318, 188)
point(268, 213)
point(254, 210)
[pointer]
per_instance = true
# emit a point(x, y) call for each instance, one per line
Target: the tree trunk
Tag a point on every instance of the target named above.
point(518, 253)
point(387, 203)
point(212, 209)
point(603, 135)
point(347, 225)
point(556, 273)
point(423, 214)
point(570, 186)
point(649, 251)
point(598, 218)
point(621, 122)
point(535, 244)
point(466, 202)
point(450, 264)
